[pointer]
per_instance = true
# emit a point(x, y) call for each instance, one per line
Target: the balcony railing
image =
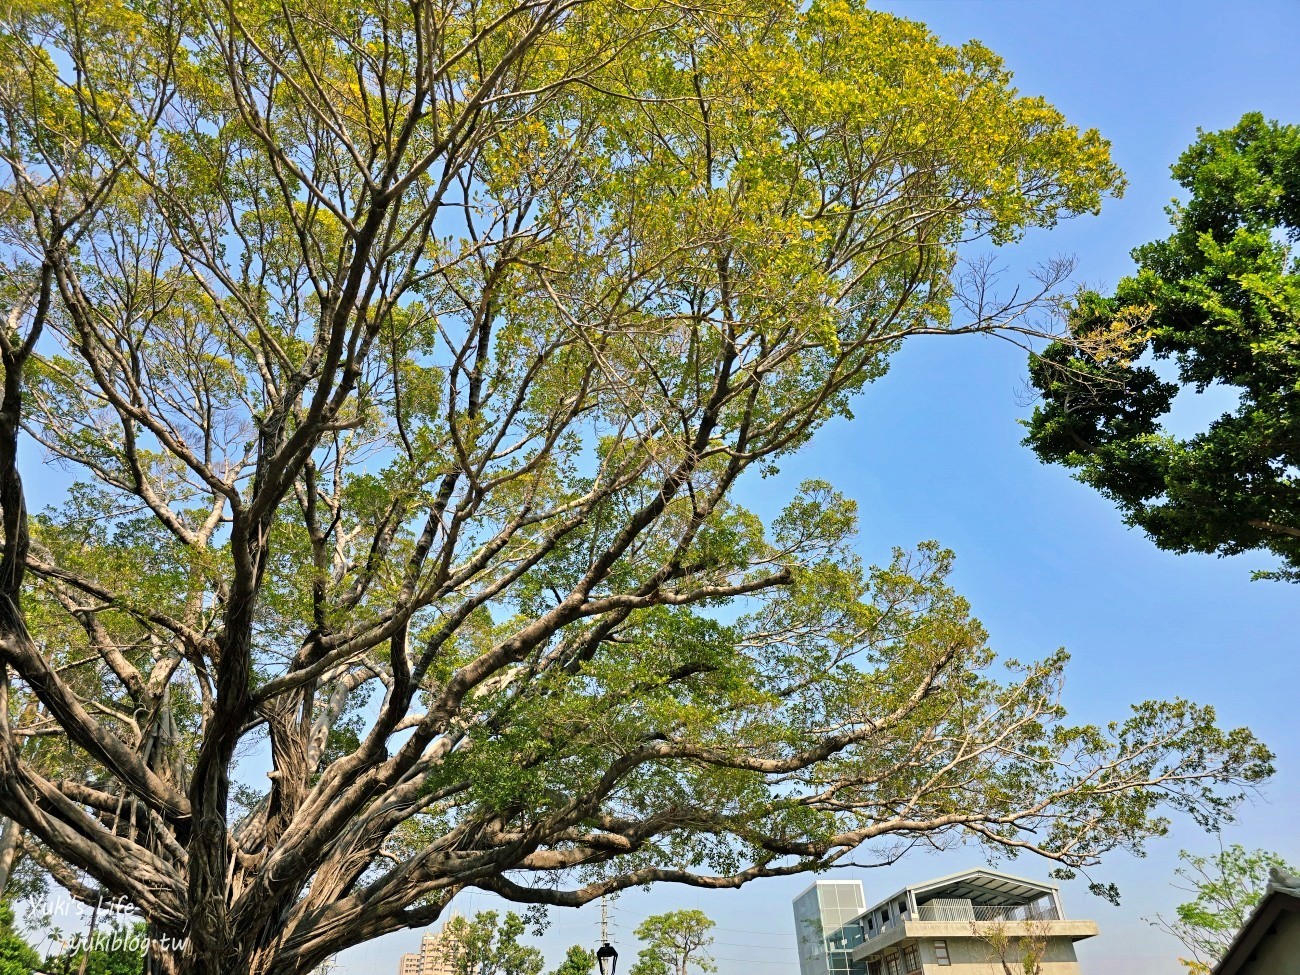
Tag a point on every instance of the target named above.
point(961, 910)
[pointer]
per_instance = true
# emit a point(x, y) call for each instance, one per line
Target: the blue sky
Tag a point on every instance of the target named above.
point(934, 452)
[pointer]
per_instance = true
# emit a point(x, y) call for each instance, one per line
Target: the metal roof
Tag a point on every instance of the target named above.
point(979, 885)
point(1262, 924)
point(983, 887)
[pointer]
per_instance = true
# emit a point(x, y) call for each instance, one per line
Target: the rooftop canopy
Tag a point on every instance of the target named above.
point(982, 887)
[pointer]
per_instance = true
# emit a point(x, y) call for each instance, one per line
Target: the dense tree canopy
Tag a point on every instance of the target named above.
point(402, 358)
point(1220, 299)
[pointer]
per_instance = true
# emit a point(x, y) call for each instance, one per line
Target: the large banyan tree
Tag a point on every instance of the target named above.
point(378, 377)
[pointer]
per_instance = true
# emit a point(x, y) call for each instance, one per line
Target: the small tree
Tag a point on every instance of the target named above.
point(1226, 888)
point(577, 961)
point(481, 946)
point(675, 942)
point(1018, 946)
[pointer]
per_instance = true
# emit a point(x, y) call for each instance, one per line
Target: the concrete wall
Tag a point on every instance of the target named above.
point(978, 958)
point(963, 930)
point(970, 956)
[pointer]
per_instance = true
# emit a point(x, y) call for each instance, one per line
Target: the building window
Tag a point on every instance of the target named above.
point(941, 953)
point(902, 908)
point(911, 959)
point(891, 964)
point(873, 967)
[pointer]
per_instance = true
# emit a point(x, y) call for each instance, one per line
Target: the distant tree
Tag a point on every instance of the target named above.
point(577, 961)
point(1220, 299)
point(482, 946)
point(117, 948)
point(17, 957)
point(1227, 886)
point(674, 943)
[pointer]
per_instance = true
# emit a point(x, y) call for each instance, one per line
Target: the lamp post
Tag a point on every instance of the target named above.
point(606, 959)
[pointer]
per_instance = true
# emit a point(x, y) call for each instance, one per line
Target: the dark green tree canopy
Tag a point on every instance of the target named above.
point(1219, 299)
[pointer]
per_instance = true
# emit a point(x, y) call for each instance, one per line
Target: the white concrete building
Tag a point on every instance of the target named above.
point(964, 924)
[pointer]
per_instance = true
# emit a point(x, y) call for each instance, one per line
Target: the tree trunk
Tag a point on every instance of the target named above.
point(8, 851)
point(161, 958)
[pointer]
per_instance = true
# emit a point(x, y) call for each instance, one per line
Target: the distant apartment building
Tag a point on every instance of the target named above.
point(435, 957)
point(962, 924)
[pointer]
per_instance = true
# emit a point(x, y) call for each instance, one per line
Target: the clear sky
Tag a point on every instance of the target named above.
point(934, 452)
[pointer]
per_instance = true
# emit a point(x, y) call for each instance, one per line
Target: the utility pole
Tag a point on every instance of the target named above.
point(606, 956)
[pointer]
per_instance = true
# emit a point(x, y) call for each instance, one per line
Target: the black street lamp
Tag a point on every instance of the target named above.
point(606, 959)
